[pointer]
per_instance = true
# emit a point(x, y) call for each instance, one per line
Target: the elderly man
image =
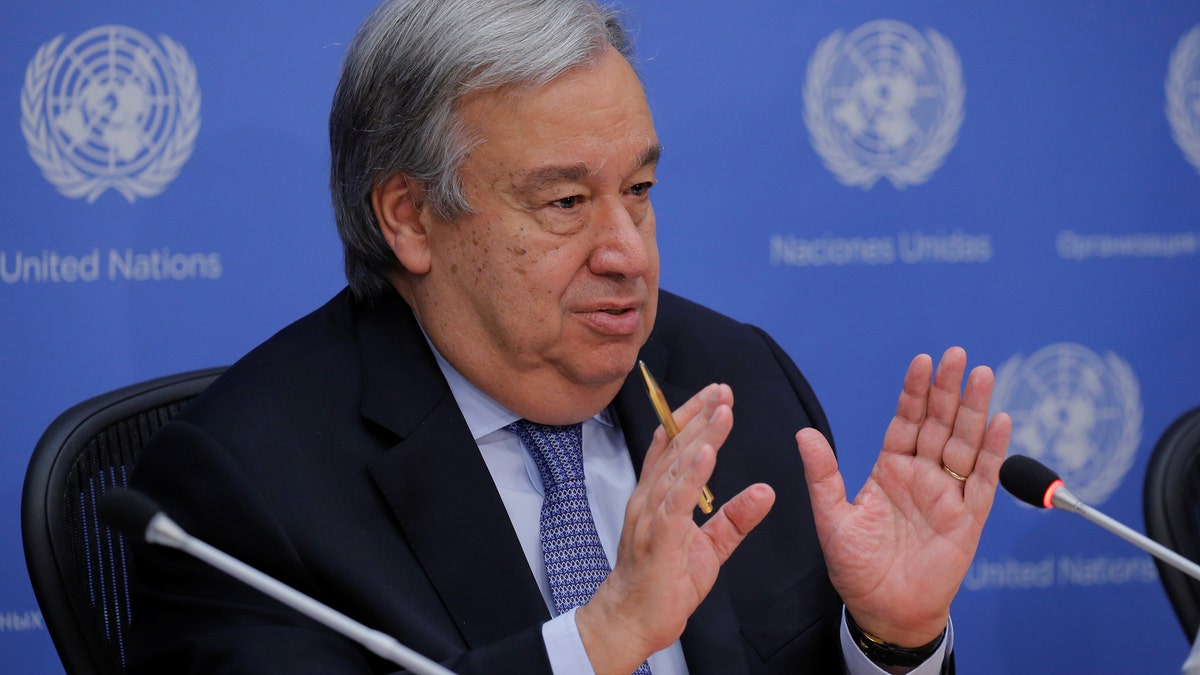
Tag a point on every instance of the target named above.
point(457, 450)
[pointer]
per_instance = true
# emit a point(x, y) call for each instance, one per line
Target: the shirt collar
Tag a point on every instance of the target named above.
point(483, 414)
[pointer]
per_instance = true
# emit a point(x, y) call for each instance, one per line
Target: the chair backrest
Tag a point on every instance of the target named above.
point(1171, 502)
point(77, 565)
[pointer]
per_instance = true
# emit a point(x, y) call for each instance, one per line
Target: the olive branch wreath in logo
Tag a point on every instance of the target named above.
point(932, 153)
point(1183, 125)
point(68, 178)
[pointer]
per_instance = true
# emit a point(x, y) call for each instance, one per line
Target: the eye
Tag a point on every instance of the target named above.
point(641, 189)
point(567, 203)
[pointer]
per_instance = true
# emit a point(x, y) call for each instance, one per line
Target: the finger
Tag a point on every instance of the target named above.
point(716, 394)
point(737, 517)
point(981, 487)
point(703, 436)
point(654, 454)
point(970, 423)
point(943, 404)
point(666, 460)
point(826, 488)
point(674, 466)
point(662, 447)
point(642, 529)
point(700, 406)
point(688, 473)
point(901, 436)
point(664, 520)
point(698, 424)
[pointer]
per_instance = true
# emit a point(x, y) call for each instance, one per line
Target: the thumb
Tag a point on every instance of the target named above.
point(737, 517)
point(826, 488)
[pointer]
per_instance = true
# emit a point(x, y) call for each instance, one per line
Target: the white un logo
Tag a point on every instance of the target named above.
point(1183, 95)
point(884, 101)
point(1078, 413)
point(112, 109)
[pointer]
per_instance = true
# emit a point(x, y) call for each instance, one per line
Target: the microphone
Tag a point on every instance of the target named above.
point(138, 517)
point(1037, 485)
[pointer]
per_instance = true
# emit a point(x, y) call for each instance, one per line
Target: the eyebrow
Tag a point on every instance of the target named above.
point(539, 179)
point(650, 156)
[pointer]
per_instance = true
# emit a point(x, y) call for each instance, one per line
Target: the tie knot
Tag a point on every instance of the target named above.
point(557, 450)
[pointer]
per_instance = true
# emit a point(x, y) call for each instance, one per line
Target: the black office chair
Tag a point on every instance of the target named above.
point(1171, 501)
point(77, 565)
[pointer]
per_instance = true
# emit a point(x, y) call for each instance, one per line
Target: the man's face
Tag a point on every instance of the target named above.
point(544, 295)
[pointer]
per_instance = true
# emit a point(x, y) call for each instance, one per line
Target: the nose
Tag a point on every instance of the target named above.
point(625, 244)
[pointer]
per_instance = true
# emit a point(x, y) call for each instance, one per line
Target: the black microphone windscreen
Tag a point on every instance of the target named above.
point(1027, 479)
point(128, 511)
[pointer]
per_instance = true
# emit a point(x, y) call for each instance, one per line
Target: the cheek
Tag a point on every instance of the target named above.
point(518, 261)
point(650, 237)
point(543, 271)
point(483, 259)
point(526, 296)
point(521, 286)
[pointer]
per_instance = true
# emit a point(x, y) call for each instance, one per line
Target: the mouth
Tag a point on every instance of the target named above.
point(618, 320)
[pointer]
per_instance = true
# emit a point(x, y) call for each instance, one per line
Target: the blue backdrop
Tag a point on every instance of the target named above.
point(865, 180)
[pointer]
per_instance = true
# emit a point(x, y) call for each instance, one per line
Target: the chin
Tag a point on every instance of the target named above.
point(608, 365)
point(616, 369)
point(595, 361)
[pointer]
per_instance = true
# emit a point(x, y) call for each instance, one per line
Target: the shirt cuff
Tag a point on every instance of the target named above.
point(564, 646)
point(857, 663)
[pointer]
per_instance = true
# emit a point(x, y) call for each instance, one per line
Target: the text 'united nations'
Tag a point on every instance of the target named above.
point(17, 267)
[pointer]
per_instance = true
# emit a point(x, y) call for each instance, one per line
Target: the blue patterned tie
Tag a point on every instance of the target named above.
point(575, 561)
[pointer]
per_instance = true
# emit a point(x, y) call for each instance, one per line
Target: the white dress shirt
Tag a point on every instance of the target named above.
point(610, 478)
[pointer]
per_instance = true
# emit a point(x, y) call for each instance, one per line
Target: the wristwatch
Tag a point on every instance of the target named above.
point(887, 654)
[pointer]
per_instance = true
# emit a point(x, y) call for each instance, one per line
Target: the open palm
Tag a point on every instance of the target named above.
point(898, 554)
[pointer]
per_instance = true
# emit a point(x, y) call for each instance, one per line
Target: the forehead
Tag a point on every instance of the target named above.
point(592, 119)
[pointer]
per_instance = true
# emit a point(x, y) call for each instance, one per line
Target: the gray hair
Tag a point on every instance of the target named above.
point(394, 108)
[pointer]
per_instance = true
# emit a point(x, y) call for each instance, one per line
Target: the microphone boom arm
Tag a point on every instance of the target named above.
point(162, 530)
point(1067, 501)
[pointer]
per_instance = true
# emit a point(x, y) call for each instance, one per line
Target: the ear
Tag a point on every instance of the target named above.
point(402, 216)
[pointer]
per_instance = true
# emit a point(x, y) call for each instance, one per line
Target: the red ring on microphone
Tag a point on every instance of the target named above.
point(1048, 499)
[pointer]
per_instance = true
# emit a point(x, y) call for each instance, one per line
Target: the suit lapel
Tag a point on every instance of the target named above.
point(437, 485)
point(712, 642)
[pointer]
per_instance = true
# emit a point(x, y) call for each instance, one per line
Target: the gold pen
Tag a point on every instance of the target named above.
point(668, 421)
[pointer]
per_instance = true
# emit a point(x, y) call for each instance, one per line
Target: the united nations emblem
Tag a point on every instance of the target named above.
point(113, 109)
point(1078, 413)
point(1183, 95)
point(884, 101)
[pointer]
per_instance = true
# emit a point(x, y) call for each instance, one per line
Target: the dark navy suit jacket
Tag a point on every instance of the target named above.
point(334, 457)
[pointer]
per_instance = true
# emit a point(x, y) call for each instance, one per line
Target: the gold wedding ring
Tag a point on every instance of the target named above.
point(953, 474)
